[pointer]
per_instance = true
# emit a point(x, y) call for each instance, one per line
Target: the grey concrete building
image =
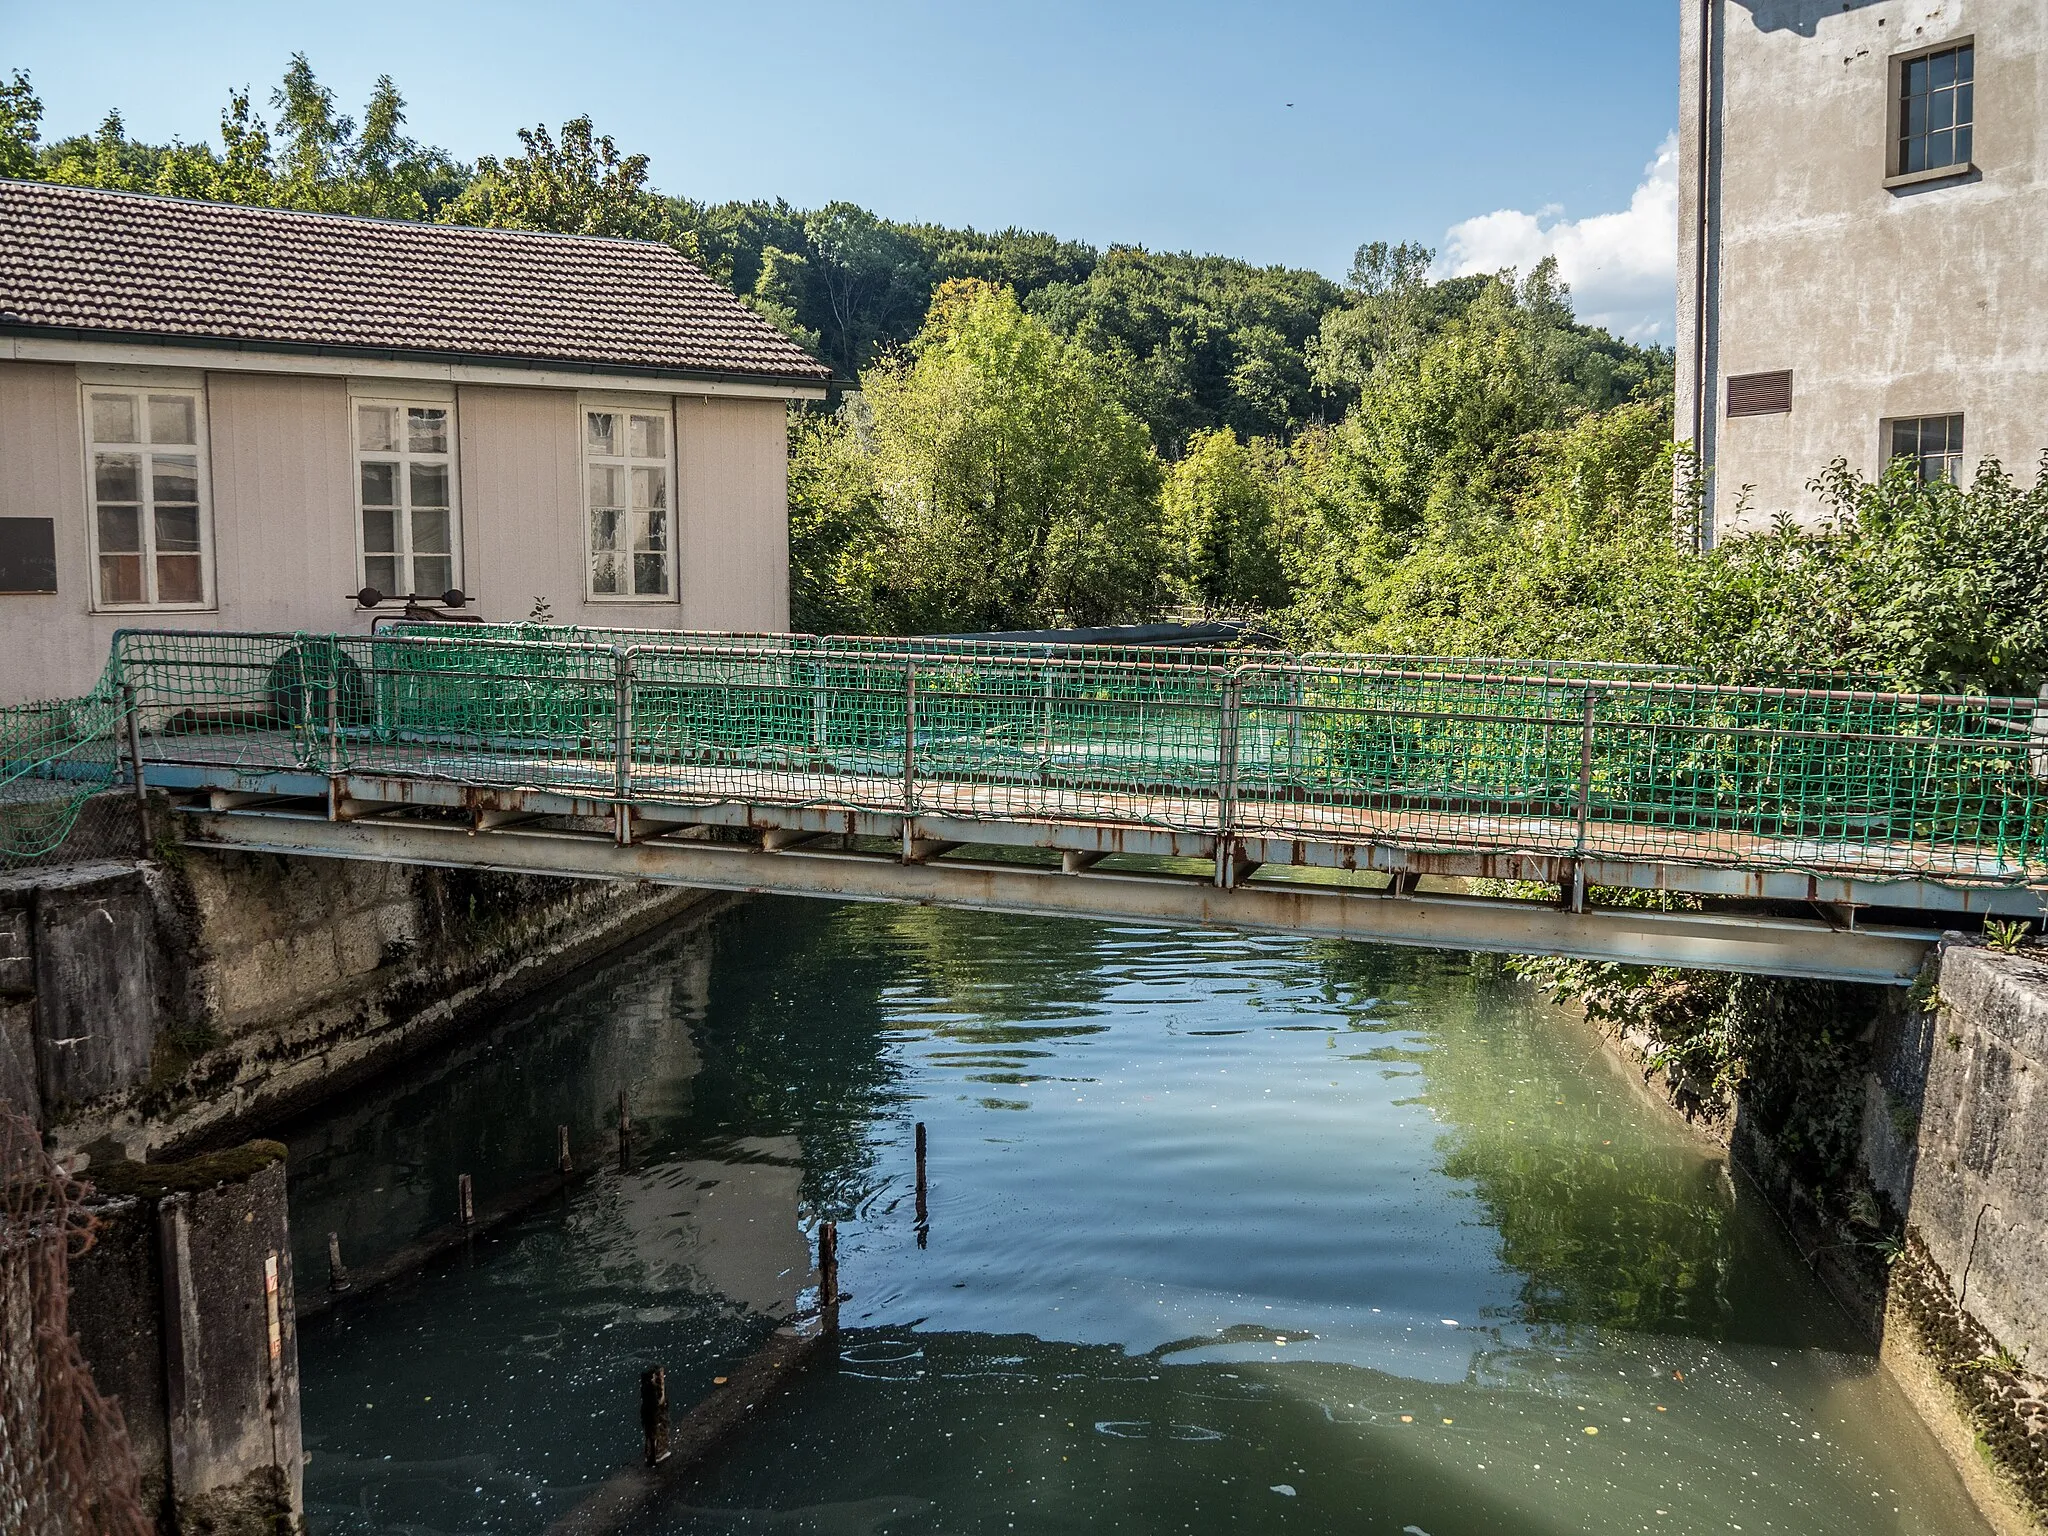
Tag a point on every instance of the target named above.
point(1863, 242)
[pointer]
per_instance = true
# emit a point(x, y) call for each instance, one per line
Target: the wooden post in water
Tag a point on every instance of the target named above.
point(337, 1277)
point(625, 1131)
point(923, 1206)
point(654, 1414)
point(465, 1200)
point(563, 1161)
point(828, 1274)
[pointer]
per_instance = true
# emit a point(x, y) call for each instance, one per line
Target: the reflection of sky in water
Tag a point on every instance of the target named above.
point(1210, 1216)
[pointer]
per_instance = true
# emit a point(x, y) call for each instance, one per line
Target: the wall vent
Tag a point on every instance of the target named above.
point(1760, 394)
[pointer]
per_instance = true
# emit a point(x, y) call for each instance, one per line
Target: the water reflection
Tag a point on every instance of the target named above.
point(1211, 1217)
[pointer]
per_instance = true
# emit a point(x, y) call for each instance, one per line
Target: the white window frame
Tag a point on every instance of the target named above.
point(662, 407)
point(139, 391)
point(404, 458)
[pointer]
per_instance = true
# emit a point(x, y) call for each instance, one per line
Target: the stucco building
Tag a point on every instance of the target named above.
point(1863, 242)
point(241, 418)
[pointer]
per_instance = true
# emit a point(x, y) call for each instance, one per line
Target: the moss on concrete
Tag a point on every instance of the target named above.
point(153, 1181)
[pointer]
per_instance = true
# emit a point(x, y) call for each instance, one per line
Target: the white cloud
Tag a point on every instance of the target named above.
point(1622, 267)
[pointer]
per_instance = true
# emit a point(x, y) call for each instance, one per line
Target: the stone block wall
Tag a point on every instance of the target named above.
point(1956, 1135)
point(150, 1007)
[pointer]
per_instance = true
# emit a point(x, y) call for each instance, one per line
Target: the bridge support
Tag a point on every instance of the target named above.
point(1702, 940)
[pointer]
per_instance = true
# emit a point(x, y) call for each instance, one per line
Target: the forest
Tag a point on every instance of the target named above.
point(1031, 431)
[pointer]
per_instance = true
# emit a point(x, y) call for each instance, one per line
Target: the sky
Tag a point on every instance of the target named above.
point(1494, 131)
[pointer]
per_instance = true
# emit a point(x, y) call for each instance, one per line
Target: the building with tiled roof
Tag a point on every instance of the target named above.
point(251, 418)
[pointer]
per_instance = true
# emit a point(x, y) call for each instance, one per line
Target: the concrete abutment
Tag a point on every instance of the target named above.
point(155, 1007)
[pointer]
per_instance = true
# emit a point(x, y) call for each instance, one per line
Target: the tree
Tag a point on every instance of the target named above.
point(873, 279)
point(779, 294)
point(987, 479)
point(1219, 528)
point(21, 117)
point(582, 186)
point(313, 141)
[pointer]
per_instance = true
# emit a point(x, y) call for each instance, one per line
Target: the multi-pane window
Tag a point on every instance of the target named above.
point(1933, 443)
point(150, 541)
point(626, 474)
point(1937, 110)
point(405, 497)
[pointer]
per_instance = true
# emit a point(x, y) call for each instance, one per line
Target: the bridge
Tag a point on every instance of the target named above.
point(1792, 826)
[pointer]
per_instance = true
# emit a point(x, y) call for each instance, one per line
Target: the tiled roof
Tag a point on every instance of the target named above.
point(122, 264)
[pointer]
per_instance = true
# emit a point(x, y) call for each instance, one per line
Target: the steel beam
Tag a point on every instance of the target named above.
point(1103, 839)
point(1708, 941)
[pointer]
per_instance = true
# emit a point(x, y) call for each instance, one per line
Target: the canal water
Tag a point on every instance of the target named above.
point(1224, 1233)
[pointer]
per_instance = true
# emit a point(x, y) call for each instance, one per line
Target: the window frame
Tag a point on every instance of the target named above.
point(1895, 173)
point(1888, 431)
point(139, 390)
point(404, 457)
point(664, 407)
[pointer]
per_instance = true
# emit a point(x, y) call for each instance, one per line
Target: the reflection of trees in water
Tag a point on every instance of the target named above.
point(805, 996)
point(1608, 1220)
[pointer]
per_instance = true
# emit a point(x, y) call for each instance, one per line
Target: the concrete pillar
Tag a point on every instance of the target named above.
point(188, 1296)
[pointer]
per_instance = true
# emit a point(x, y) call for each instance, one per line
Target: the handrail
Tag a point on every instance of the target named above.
point(1562, 761)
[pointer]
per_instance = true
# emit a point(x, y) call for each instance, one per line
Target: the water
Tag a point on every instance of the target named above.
point(1225, 1233)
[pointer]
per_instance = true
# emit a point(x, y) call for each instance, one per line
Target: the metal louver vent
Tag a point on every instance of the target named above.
point(1760, 394)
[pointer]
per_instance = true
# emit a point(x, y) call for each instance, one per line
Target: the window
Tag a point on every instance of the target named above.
point(28, 554)
point(626, 476)
point(150, 541)
point(1760, 394)
point(1934, 443)
point(405, 497)
point(1936, 111)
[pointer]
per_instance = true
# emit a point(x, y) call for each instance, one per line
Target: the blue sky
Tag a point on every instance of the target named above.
point(1494, 130)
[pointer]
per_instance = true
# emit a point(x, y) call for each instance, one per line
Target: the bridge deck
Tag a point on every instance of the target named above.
point(239, 761)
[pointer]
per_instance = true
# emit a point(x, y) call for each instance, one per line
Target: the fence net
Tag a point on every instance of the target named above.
point(66, 1467)
point(1572, 758)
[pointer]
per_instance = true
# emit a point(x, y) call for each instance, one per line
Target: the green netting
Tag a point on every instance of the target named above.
point(53, 758)
point(1570, 758)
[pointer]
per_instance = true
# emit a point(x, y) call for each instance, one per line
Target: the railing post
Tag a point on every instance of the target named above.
point(2038, 758)
point(821, 711)
point(909, 757)
point(1226, 785)
point(622, 742)
point(1585, 811)
point(132, 729)
point(334, 733)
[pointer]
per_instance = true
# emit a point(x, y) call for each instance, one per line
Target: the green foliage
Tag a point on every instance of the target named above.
point(986, 479)
point(2006, 938)
point(873, 279)
point(21, 119)
point(1197, 341)
point(579, 186)
point(320, 160)
point(1222, 548)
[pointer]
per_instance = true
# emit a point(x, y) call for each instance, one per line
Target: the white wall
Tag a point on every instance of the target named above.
point(283, 515)
point(1929, 300)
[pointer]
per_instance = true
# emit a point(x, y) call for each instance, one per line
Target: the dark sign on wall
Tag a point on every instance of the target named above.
point(28, 554)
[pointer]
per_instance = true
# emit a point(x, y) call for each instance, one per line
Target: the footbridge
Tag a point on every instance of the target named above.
point(1788, 826)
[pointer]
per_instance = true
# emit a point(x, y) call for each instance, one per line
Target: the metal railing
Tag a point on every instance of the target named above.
point(1570, 759)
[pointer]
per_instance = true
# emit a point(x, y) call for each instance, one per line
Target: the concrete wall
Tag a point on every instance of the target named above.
point(185, 1313)
point(1914, 301)
point(283, 513)
point(148, 1008)
point(1956, 1133)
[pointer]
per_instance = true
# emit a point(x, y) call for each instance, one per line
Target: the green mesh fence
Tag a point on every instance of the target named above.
point(53, 758)
point(1568, 758)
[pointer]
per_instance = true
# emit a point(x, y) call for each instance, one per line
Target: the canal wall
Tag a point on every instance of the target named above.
point(161, 1004)
point(1903, 1137)
point(183, 1307)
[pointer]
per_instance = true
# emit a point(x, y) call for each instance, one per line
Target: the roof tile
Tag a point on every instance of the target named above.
point(77, 258)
